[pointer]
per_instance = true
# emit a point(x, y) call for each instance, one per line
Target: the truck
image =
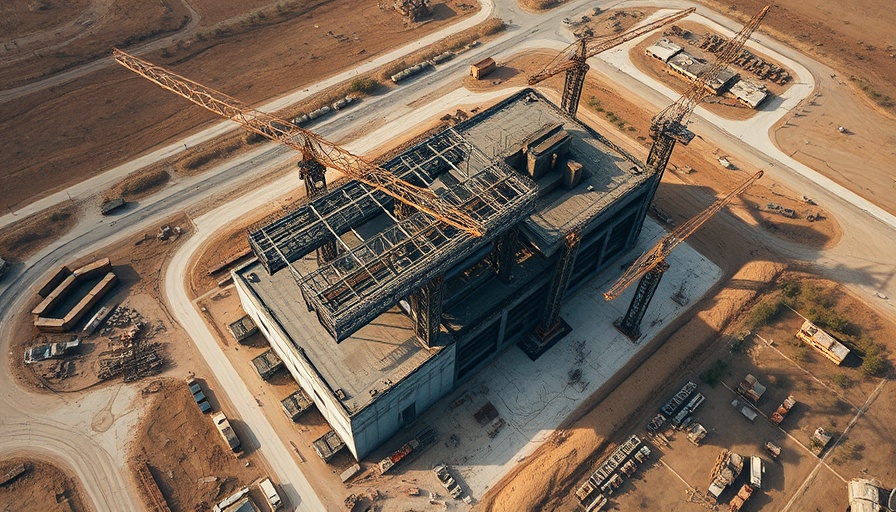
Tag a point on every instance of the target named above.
point(778, 416)
point(748, 413)
point(738, 501)
point(198, 395)
point(112, 205)
point(226, 431)
point(757, 469)
point(270, 494)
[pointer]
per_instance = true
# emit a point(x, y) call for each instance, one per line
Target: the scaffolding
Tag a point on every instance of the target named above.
point(367, 279)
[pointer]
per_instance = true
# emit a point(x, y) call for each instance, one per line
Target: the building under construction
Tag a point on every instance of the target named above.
point(378, 310)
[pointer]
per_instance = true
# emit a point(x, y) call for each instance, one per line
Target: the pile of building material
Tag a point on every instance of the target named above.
point(134, 359)
point(51, 351)
point(414, 10)
point(416, 69)
point(674, 403)
point(65, 282)
point(725, 472)
point(267, 364)
point(296, 404)
point(746, 60)
point(823, 342)
point(420, 441)
point(447, 481)
point(157, 501)
point(13, 473)
point(327, 445)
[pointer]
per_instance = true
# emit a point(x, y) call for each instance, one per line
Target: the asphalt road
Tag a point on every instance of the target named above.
point(65, 427)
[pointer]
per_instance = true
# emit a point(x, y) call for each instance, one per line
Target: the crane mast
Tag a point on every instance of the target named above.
point(317, 153)
point(670, 125)
point(573, 59)
point(649, 268)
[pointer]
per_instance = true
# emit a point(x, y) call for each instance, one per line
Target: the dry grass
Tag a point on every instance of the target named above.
point(140, 184)
point(21, 239)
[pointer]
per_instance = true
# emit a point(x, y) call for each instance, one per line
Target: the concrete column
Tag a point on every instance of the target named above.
point(426, 311)
point(503, 255)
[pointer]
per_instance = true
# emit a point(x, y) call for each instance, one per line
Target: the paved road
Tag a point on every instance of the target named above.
point(862, 260)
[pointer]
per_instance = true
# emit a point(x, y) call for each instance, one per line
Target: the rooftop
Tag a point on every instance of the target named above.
point(375, 357)
point(663, 49)
point(749, 92)
point(610, 171)
point(692, 67)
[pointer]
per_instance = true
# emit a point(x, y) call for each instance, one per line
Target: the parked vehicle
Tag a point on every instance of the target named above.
point(198, 395)
point(226, 431)
point(270, 494)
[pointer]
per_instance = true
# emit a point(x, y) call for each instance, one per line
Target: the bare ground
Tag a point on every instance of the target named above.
point(128, 116)
point(22, 239)
point(44, 487)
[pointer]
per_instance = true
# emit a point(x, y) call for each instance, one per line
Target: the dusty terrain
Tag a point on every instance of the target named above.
point(138, 263)
point(827, 395)
point(187, 457)
point(131, 116)
point(858, 40)
point(43, 487)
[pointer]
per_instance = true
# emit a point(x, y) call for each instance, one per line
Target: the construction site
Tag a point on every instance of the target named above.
point(565, 293)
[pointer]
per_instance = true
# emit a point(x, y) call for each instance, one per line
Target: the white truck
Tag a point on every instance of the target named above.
point(226, 431)
point(270, 493)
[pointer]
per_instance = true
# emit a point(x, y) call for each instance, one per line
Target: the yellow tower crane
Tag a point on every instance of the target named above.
point(573, 59)
point(649, 268)
point(317, 153)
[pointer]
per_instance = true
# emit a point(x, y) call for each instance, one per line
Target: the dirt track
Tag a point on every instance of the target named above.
point(67, 133)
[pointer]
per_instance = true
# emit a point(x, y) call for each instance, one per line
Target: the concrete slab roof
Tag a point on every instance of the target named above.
point(376, 357)
point(610, 172)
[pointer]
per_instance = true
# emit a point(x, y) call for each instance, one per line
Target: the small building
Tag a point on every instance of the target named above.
point(691, 67)
point(823, 342)
point(242, 328)
point(749, 94)
point(867, 495)
point(267, 364)
point(663, 50)
point(482, 68)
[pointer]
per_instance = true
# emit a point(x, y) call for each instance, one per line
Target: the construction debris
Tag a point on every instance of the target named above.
point(13, 473)
point(726, 470)
point(420, 441)
point(746, 60)
point(296, 404)
point(134, 359)
point(414, 10)
point(242, 328)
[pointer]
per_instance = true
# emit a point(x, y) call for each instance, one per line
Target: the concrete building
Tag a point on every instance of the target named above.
point(397, 309)
point(690, 67)
point(748, 93)
point(663, 50)
point(867, 495)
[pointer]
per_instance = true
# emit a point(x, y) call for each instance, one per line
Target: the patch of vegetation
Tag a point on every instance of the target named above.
point(713, 375)
point(205, 157)
point(843, 381)
point(765, 312)
point(848, 452)
point(363, 85)
point(144, 183)
point(253, 138)
point(868, 88)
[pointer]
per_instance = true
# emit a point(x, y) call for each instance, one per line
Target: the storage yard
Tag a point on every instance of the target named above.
point(464, 322)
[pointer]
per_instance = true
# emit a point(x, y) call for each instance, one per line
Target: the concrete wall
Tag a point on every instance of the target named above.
point(371, 426)
point(298, 365)
point(379, 421)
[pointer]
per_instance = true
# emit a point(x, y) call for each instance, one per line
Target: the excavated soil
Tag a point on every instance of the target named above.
point(44, 487)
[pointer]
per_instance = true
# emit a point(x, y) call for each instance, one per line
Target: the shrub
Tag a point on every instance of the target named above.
point(145, 182)
point(713, 375)
point(872, 364)
point(492, 26)
point(764, 312)
point(843, 381)
point(363, 85)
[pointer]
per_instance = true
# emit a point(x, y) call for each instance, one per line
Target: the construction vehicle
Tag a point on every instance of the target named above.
point(773, 449)
point(572, 59)
point(270, 494)
point(226, 431)
point(112, 205)
point(667, 128)
point(696, 434)
point(778, 416)
point(738, 501)
point(649, 268)
point(318, 154)
point(726, 470)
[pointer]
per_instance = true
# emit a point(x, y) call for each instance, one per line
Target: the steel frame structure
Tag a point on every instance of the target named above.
point(368, 279)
